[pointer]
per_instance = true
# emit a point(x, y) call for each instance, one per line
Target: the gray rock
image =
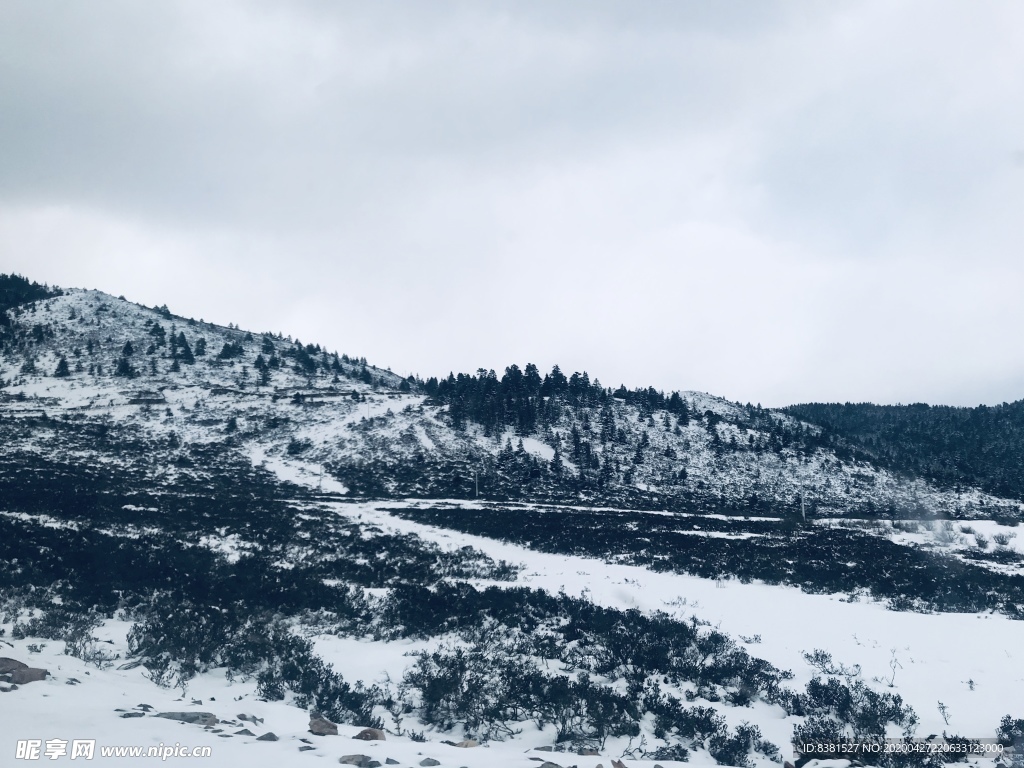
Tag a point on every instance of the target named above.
point(549, 764)
point(28, 675)
point(391, 761)
point(9, 665)
point(244, 732)
point(360, 761)
point(268, 736)
point(321, 726)
point(306, 749)
point(370, 734)
point(194, 718)
point(427, 761)
point(127, 715)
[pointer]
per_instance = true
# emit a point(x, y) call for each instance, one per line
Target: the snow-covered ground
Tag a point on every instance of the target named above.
point(974, 664)
point(970, 664)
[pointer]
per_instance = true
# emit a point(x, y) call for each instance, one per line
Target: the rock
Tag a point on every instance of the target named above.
point(244, 732)
point(370, 734)
point(72, 681)
point(321, 726)
point(28, 675)
point(543, 749)
point(194, 718)
point(549, 764)
point(7, 687)
point(787, 764)
point(9, 665)
point(361, 761)
point(427, 761)
point(268, 736)
point(126, 715)
point(590, 752)
point(468, 743)
point(306, 749)
point(618, 764)
point(391, 761)
point(144, 707)
point(251, 719)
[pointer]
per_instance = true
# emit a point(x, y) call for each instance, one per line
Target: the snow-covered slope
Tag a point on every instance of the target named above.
point(382, 435)
point(273, 507)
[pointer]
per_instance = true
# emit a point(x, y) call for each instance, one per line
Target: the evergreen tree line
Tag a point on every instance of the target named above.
point(981, 447)
point(522, 400)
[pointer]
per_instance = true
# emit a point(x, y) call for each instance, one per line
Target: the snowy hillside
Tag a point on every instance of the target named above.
point(489, 571)
point(381, 435)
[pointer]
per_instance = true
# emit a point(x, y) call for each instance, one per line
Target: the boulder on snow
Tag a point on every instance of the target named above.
point(370, 734)
point(321, 726)
point(27, 675)
point(360, 761)
point(9, 665)
point(195, 718)
point(268, 736)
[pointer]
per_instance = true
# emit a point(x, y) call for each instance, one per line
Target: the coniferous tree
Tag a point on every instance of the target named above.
point(62, 368)
point(182, 350)
point(556, 461)
point(125, 369)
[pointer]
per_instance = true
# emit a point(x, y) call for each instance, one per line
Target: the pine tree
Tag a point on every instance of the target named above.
point(556, 461)
point(128, 350)
point(125, 369)
point(182, 350)
point(62, 368)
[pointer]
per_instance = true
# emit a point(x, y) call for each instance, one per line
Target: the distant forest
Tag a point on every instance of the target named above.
point(16, 290)
point(982, 446)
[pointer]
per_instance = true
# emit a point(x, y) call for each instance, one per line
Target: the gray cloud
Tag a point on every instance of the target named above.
point(774, 202)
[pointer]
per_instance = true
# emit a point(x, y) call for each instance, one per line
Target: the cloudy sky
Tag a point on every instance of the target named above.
point(774, 202)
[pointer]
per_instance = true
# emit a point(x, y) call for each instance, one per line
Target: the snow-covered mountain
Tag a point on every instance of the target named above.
point(381, 435)
point(212, 519)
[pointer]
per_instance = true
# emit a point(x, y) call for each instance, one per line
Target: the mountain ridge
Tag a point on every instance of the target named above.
point(520, 436)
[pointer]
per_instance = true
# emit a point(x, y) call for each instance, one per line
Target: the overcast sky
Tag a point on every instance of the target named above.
point(773, 202)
